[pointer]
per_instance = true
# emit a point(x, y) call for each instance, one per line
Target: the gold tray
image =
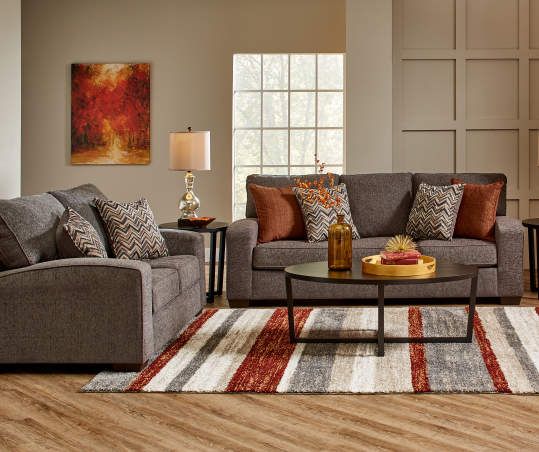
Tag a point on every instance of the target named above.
point(373, 266)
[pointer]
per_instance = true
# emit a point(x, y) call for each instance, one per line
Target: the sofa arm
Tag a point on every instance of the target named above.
point(509, 235)
point(241, 239)
point(86, 310)
point(192, 243)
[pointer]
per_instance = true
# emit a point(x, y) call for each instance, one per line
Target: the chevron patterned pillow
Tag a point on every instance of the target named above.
point(434, 213)
point(76, 237)
point(319, 218)
point(132, 230)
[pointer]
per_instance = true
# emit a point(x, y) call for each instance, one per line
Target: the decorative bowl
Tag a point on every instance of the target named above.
point(198, 222)
point(374, 266)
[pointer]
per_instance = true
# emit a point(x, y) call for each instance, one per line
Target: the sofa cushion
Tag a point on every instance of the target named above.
point(380, 203)
point(81, 199)
point(279, 214)
point(467, 178)
point(278, 181)
point(28, 230)
point(76, 237)
point(290, 252)
point(186, 266)
point(434, 213)
point(165, 287)
point(131, 229)
point(477, 212)
point(320, 209)
point(461, 251)
point(282, 253)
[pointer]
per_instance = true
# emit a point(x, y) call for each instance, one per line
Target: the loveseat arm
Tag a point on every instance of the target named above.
point(86, 310)
point(241, 240)
point(509, 235)
point(188, 242)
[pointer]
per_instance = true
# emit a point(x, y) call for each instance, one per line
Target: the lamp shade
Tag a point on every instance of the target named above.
point(189, 151)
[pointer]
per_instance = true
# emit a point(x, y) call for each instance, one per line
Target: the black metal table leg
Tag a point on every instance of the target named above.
point(221, 263)
point(210, 296)
point(290, 305)
point(531, 255)
point(380, 320)
point(471, 309)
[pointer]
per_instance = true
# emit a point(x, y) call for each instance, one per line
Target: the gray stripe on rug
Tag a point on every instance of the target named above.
point(313, 372)
point(205, 351)
point(520, 351)
point(453, 367)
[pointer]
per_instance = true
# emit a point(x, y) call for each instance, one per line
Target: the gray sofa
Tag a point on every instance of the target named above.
point(380, 204)
point(90, 310)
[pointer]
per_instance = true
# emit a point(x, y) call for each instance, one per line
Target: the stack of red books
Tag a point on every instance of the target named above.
point(410, 257)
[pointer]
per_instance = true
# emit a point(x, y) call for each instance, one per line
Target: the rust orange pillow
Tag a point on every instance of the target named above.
point(279, 214)
point(477, 212)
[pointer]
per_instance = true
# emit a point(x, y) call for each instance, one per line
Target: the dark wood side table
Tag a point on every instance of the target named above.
point(532, 224)
point(214, 228)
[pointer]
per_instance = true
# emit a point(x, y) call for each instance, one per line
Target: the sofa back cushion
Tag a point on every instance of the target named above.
point(28, 230)
point(467, 178)
point(81, 200)
point(277, 181)
point(380, 203)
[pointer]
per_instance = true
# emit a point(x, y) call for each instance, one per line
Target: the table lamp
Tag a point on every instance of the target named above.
point(189, 151)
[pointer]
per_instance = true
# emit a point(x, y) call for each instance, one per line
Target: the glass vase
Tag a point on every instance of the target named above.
point(340, 245)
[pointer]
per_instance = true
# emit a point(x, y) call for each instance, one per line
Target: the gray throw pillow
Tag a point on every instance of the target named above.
point(317, 217)
point(76, 237)
point(132, 230)
point(434, 212)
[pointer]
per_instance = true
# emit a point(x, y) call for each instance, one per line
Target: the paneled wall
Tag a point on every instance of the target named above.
point(466, 91)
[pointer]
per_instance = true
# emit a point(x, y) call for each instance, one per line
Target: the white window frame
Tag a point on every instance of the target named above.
point(259, 168)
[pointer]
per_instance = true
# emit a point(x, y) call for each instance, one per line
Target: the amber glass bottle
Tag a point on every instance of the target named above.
point(340, 245)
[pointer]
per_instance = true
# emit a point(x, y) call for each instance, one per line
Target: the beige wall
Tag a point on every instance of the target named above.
point(369, 102)
point(190, 46)
point(10, 95)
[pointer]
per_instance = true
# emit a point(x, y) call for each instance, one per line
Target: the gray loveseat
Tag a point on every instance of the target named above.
point(90, 310)
point(380, 204)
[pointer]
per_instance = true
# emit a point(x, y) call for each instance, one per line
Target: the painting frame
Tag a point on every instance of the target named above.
point(110, 114)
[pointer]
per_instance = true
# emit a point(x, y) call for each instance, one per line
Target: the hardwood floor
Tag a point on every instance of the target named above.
point(41, 409)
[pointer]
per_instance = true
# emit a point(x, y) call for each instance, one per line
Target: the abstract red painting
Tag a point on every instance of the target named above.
point(110, 114)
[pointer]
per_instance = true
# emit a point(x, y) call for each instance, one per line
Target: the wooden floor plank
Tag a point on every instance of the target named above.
point(44, 410)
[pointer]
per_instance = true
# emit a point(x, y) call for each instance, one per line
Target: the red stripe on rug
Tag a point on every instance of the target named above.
point(494, 369)
point(153, 369)
point(264, 365)
point(418, 360)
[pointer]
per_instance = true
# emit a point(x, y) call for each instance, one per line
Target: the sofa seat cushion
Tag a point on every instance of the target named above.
point(280, 254)
point(165, 287)
point(283, 253)
point(186, 266)
point(461, 251)
point(28, 230)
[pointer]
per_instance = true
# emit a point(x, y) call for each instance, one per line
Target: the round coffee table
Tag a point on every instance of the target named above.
point(319, 272)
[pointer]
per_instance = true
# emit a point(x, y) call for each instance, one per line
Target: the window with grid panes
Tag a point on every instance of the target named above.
point(288, 111)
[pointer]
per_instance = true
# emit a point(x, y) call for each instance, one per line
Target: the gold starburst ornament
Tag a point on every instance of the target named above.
point(400, 243)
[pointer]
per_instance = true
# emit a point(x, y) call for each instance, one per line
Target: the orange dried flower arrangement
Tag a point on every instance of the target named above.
point(319, 190)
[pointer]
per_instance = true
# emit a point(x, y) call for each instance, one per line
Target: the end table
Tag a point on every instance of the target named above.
point(532, 224)
point(214, 228)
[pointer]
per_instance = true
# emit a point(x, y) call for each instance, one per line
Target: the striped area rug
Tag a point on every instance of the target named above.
point(247, 350)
